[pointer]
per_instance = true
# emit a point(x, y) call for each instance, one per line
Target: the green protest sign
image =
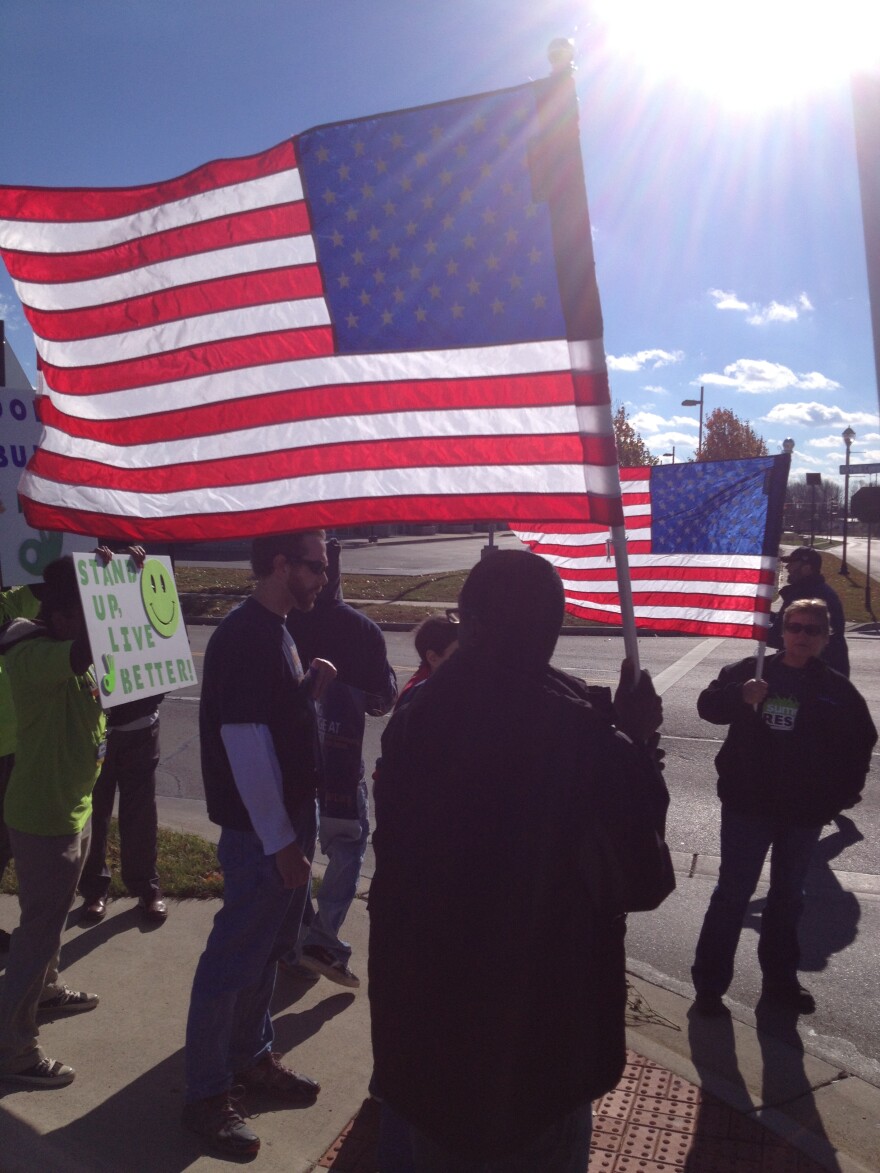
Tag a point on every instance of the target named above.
point(139, 642)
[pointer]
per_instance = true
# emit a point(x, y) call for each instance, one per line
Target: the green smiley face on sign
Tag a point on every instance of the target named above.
point(159, 595)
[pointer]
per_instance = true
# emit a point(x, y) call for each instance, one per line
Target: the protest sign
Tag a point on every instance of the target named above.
point(136, 629)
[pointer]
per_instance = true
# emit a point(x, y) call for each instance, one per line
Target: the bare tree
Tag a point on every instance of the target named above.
point(807, 505)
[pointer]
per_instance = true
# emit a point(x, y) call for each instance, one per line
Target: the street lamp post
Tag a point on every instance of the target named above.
point(848, 437)
point(697, 403)
point(672, 454)
point(788, 508)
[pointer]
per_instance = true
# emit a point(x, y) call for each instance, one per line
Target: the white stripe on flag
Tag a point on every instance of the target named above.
point(187, 270)
point(526, 358)
point(316, 433)
point(77, 236)
point(195, 331)
point(394, 482)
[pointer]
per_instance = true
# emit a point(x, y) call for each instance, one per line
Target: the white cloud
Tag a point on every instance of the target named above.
point(666, 439)
point(653, 359)
point(725, 300)
point(661, 434)
point(774, 312)
point(760, 315)
point(652, 389)
point(6, 308)
point(814, 381)
point(646, 421)
point(826, 442)
point(757, 376)
point(816, 415)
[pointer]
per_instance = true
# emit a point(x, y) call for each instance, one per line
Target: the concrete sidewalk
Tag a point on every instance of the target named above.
point(122, 1111)
point(697, 1095)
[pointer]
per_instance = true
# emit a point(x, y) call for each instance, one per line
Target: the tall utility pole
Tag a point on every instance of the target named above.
point(814, 479)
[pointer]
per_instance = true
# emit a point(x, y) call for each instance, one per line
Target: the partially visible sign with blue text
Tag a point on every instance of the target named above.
point(24, 552)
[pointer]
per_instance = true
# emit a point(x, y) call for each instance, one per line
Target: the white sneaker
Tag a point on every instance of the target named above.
point(66, 1001)
point(45, 1073)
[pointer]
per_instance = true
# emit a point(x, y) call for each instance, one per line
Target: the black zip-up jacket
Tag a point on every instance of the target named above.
point(820, 768)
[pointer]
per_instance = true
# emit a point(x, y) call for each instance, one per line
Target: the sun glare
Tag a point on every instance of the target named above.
point(750, 54)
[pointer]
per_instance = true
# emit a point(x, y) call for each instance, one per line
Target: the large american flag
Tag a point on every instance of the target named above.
point(702, 543)
point(393, 318)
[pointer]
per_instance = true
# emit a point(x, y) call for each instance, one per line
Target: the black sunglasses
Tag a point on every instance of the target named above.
point(806, 628)
point(313, 564)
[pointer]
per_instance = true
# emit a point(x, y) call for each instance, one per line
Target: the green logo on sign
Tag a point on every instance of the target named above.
point(34, 555)
point(159, 595)
point(108, 681)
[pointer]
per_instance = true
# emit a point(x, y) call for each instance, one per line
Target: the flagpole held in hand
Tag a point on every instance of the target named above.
point(624, 589)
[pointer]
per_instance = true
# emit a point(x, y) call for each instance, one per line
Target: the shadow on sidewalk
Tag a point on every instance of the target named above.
point(830, 922)
point(138, 1128)
point(831, 915)
point(738, 1139)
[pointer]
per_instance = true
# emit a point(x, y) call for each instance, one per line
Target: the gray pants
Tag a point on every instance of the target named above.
point(48, 868)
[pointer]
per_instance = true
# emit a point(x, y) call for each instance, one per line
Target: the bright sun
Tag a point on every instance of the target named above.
point(751, 54)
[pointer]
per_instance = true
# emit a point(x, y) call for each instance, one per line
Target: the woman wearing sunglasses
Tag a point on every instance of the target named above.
point(796, 754)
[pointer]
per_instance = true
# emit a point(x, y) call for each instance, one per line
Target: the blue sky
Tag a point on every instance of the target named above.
point(726, 217)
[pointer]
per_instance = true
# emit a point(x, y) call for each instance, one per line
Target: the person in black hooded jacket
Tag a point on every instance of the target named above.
point(508, 813)
point(796, 754)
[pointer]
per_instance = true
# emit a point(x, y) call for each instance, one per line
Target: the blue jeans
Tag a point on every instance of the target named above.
point(563, 1148)
point(745, 841)
point(344, 842)
point(229, 1028)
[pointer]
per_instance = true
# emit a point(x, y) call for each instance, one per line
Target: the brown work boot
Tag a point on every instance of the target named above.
point(221, 1125)
point(273, 1078)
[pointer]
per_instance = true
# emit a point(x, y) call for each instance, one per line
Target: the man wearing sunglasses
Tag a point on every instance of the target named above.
point(257, 732)
point(797, 753)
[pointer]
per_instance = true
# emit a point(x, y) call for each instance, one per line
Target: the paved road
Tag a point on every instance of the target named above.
point(842, 927)
point(402, 555)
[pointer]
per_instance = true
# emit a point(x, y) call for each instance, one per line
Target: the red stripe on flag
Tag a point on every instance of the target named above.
point(591, 387)
point(551, 552)
point(248, 227)
point(634, 473)
point(332, 400)
point(676, 574)
point(72, 204)
point(230, 354)
point(706, 627)
point(358, 511)
point(184, 301)
point(299, 462)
